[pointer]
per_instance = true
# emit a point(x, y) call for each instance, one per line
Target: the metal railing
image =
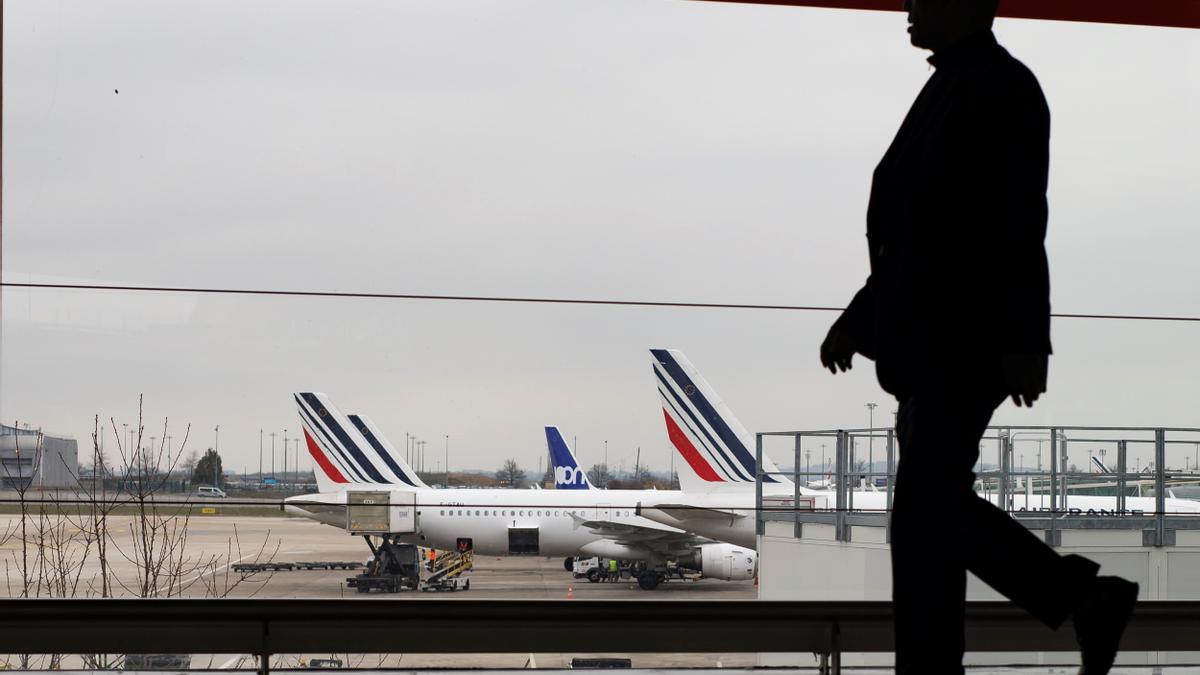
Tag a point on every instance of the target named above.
point(1153, 460)
point(268, 627)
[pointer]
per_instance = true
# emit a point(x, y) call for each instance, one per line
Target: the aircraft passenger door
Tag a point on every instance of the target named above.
point(604, 512)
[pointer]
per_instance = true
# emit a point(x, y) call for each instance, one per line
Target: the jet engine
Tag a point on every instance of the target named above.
point(725, 561)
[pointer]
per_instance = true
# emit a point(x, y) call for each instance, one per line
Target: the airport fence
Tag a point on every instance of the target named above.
point(1033, 472)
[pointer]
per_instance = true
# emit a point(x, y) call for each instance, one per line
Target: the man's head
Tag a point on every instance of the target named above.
point(934, 24)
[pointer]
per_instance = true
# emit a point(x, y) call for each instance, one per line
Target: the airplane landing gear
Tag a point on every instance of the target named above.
point(649, 581)
point(393, 566)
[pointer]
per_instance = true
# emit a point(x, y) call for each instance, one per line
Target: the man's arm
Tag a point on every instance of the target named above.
point(1022, 151)
point(853, 332)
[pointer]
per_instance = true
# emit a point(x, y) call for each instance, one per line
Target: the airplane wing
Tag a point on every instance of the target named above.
point(683, 512)
point(660, 537)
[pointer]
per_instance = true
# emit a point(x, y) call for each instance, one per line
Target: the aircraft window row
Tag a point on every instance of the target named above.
point(521, 513)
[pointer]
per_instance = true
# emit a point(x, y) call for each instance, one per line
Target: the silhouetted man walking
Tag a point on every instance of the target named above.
point(956, 315)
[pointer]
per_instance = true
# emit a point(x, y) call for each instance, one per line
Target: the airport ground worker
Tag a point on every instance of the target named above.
point(956, 316)
point(613, 573)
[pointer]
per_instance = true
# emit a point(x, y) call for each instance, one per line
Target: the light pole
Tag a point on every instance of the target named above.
point(807, 464)
point(447, 481)
point(272, 454)
point(260, 448)
point(822, 459)
point(871, 444)
point(296, 456)
point(216, 453)
point(407, 448)
point(285, 447)
point(606, 473)
point(285, 442)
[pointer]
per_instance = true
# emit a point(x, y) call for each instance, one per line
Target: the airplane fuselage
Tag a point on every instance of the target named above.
point(504, 522)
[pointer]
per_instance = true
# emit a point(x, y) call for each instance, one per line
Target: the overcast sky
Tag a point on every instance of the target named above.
point(645, 149)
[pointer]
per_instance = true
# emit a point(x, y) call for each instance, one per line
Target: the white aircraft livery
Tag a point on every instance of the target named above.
point(352, 456)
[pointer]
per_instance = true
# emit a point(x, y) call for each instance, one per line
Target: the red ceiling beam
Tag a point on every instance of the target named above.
point(1170, 13)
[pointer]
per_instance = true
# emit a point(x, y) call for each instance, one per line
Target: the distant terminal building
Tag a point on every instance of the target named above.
point(30, 458)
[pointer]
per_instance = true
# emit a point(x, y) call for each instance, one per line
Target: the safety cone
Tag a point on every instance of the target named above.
point(570, 592)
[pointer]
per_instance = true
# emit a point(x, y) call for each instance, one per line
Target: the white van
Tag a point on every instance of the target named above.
point(206, 491)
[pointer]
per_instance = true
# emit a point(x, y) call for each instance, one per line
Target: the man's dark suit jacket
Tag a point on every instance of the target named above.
point(955, 227)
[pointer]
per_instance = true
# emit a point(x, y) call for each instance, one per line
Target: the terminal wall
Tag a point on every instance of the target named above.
point(59, 463)
point(817, 567)
point(36, 460)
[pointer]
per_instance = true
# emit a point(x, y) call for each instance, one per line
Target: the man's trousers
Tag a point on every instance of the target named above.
point(941, 530)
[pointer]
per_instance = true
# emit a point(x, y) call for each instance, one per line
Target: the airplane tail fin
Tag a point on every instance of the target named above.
point(1101, 465)
point(567, 473)
point(381, 444)
point(714, 445)
point(343, 456)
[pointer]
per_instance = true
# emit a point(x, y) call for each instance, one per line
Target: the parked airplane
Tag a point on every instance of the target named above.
point(712, 499)
point(715, 447)
point(724, 508)
point(355, 462)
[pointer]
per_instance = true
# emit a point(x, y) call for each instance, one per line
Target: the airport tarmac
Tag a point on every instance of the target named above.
point(501, 578)
point(216, 542)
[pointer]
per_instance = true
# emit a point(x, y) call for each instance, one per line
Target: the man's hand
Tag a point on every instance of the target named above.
point(837, 351)
point(1025, 377)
